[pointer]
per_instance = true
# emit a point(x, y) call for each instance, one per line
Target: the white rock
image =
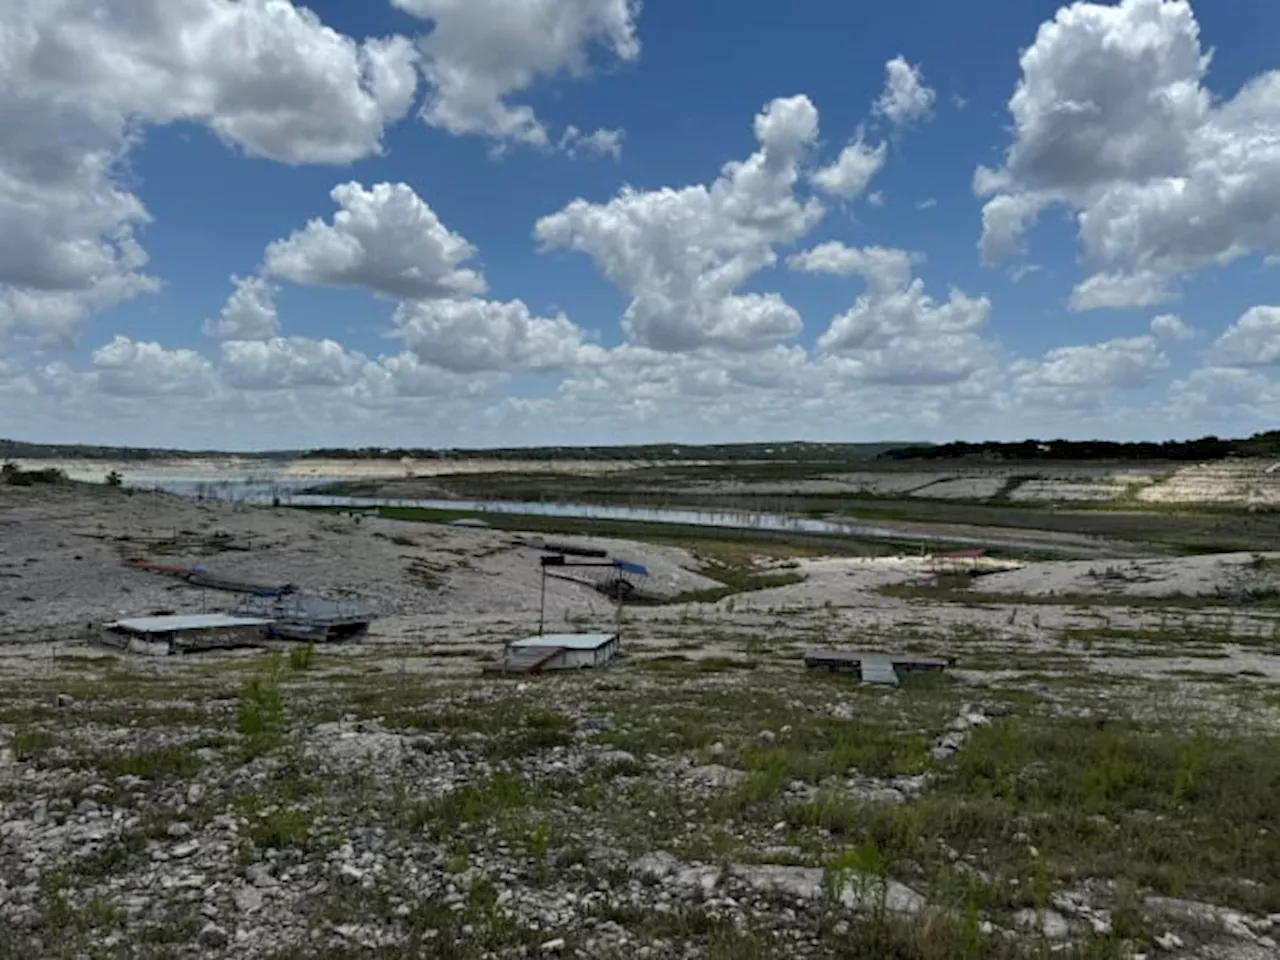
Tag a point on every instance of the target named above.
point(184, 850)
point(350, 874)
point(656, 865)
point(714, 775)
point(259, 874)
point(1055, 924)
point(195, 793)
point(1169, 941)
point(806, 883)
point(1234, 925)
point(248, 900)
point(616, 757)
point(553, 946)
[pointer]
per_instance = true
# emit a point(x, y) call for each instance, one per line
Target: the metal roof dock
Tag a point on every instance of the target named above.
point(568, 641)
point(180, 624)
point(161, 636)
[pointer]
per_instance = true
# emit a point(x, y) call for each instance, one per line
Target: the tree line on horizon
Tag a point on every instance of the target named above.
point(1205, 448)
point(1265, 444)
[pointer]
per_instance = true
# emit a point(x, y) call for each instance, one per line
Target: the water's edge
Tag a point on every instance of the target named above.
point(289, 493)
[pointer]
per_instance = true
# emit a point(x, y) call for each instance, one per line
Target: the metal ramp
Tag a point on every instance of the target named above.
point(879, 671)
point(525, 660)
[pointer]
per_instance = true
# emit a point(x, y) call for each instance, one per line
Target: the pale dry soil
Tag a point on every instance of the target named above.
point(1095, 778)
point(1243, 482)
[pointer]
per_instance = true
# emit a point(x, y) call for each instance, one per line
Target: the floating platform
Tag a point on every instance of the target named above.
point(298, 616)
point(164, 636)
point(558, 651)
point(875, 667)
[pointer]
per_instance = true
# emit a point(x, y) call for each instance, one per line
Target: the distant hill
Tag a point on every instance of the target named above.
point(17, 449)
point(1206, 448)
point(791, 451)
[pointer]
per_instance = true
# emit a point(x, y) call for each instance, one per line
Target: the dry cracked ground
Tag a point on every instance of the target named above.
point(1097, 777)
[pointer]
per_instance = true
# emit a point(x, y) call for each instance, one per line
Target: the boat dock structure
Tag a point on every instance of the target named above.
point(874, 667)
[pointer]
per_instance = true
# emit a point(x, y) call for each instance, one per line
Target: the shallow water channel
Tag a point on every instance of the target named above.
point(289, 493)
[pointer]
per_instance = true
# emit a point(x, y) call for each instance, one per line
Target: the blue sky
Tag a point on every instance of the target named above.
point(1055, 220)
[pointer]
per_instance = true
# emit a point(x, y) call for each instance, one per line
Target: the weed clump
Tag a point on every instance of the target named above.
point(28, 744)
point(163, 763)
point(302, 657)
point(260, 715)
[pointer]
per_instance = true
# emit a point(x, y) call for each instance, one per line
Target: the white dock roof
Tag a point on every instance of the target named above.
point(179, 624)
point(568, 641)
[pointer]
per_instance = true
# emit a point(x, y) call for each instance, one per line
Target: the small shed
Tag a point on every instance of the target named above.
point(161, 636)
point(562, 651)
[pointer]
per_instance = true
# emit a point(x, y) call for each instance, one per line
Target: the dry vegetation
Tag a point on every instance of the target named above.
point(1095, 779)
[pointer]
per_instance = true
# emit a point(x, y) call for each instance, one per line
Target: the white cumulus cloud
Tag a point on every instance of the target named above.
point(406, 376)
point(603, 142)
point(882, 267)
point(249, 314)
point(289, 362)
point(480, 53)
point(1126, 362)
point(852, 170)
point(130, 368)
point(1252, 341)
point(472, 336)
point(1143, 288)
point(1113, 121)
point(81, 79)
point(385, 239)
point(906, 97)
point(895, 333)
point(682, 254)
point(1171, 328)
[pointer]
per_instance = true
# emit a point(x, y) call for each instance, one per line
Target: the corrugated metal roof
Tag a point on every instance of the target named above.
point(568, 641)
point(199, 621)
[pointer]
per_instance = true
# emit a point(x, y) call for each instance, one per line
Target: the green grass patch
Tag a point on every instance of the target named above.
point(476, 804)
point(30, 744)
point(511, 729)
point(1183, 814)
point(163, 763)
point(959, 593)
point(260, 717)
point(302, 656)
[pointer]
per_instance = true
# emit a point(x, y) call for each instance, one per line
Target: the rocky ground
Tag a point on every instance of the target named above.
point(1095, 778)
point(1237, 482)
point(62, 553)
